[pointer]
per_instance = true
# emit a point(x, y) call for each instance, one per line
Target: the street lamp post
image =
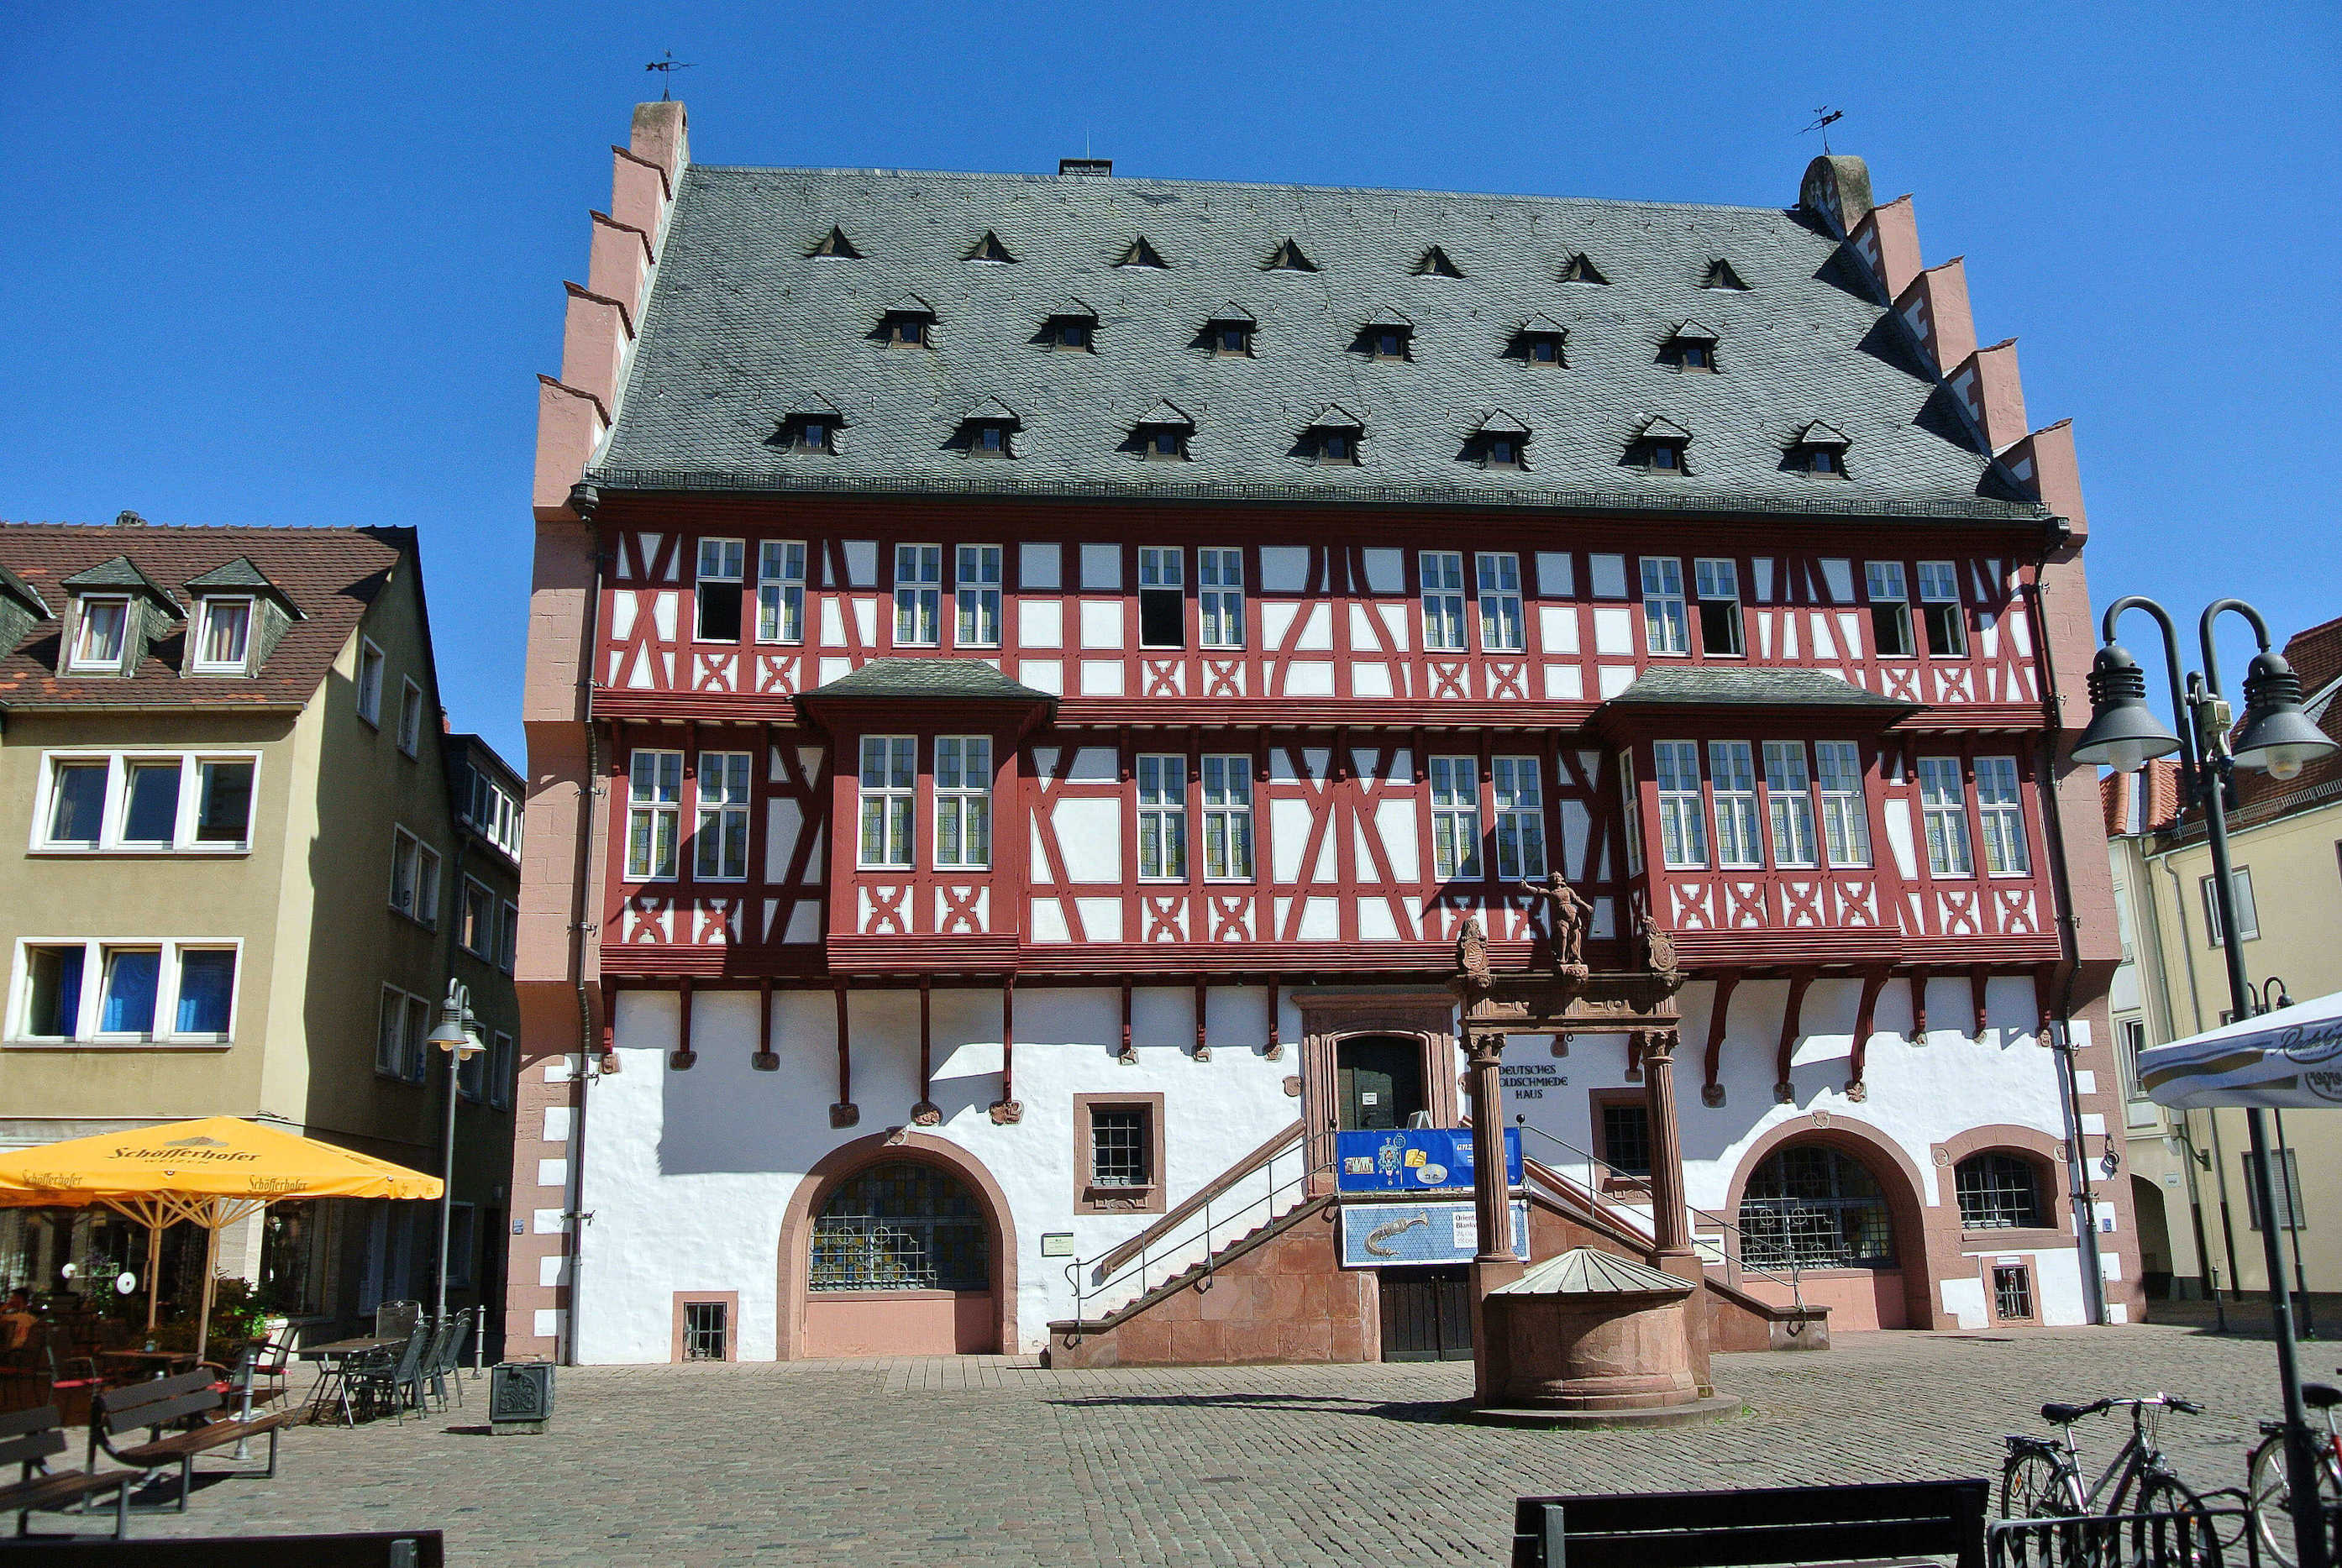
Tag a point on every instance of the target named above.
point(2276, 736)
point(456, 1036)
point(2270, 996)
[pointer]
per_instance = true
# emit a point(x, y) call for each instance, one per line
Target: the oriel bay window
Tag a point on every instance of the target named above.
point(780, 591)
point(716, 593)
point(1227, 818)
point(1162, 817)
point(1219, 583)
point(976, 583)
point(890, 778)
point(2001, 810)
point(654, 814)
point(1520, 818)
point(1789, 794)
point(1733, 775)
point(1682, 822)
point(1943, 802)
point(1456, 818)
point(1442, 601)
point(918, 595)
point(720, 836)
point(1500, 602)
point(963, 802)
point(1846, 816)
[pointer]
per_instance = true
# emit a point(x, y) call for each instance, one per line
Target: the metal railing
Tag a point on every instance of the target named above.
point(1733, 1257)
point(1128, 1279)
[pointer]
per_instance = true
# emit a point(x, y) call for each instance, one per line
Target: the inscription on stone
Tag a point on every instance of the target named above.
point(1529, 1081)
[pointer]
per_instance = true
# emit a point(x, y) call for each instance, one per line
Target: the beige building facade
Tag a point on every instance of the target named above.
point(243, 858)
point(2191, 1175)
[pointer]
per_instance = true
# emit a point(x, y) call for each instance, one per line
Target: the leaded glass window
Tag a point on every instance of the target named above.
point(901, 1226)
point(1814, 1208)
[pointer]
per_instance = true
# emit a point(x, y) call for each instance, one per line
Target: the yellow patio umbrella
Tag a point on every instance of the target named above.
point(214, 1171)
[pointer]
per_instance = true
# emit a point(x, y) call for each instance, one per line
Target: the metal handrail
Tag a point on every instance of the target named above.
point(1148, 1251)
point(1796, 1295)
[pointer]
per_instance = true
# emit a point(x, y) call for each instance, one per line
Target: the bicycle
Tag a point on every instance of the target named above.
point(2265, 1482)
point(2042, 1478)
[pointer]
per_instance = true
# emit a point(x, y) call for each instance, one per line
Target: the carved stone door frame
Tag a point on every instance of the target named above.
point(1330, 1015)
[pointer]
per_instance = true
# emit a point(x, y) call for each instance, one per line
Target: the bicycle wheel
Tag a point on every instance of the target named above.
point(2267, 1488)
point(2184, 1538)
point(2034, 1486)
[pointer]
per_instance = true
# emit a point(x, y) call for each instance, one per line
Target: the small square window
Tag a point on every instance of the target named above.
point(990, 439)
point(1334, 446)
point(102, 635)
point(1501, 452)
point(1118, 1154)
point(77, 804)
point(1386, 343)
point(1827, 461)
point(224, 639)
point(905, 332)
point(1232, 340)
point(1071, 334)
point(706, 1331)
point(1163, 444)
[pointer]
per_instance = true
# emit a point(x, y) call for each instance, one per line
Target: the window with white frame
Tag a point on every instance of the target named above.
point(976, 583)
point(494, 813)
point(2001, 811)
point(2240, 889)
point(890, 781)
point(716, 591)
point(780, 591)
point(1442, 601)
point(654, 814)
point(508, 938)
point(963, 802)
point(1943, 803)
point(1939, 608)
point(144, 803)
point(1715, 581)
point(476, 920)
point(101, 634)
point(1500, 602)
point(410, 719)
point(1519, 797)
point(1666, 627)
point(1732, 774)
point(1219, 597)
point(369, 684)
point(1890, 608)
point(918, 595)
point(1631, 812)
point(1227, 818)
point(500, 1070)
point(1790, 802)
point(1162, 597)
point(168, 991)
point(1456, 818)
point(1162, 817)
point(2130, 1037)
point(224, 641)
point(719, 836)
point(1845, 815)
point(1683, 820)
point(414, 878)
point(401, 1040)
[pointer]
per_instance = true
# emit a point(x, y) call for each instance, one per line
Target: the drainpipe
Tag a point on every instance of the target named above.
point(582, 928)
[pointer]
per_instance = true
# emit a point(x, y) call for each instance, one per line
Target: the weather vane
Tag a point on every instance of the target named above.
point(1823, 118)
point(667, 66)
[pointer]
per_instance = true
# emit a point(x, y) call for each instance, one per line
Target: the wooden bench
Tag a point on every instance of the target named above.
point(1893, 1520)
point(168, 1400)
point(31, 1438)
point(374, 1549)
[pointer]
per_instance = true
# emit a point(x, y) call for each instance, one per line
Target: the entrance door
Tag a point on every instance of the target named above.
point(1427, 1314)
point(1377, 1083)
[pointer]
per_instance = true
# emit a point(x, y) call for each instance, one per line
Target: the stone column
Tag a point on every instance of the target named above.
point(1494, 1263)
point(1668, 1221)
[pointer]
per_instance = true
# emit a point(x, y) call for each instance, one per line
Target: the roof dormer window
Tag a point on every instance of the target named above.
point(1228, 333)
point(909, 322)
point(101, 632)
point(1160, 434)
point(1691, 347)
point(1141, 254)
point(1540, 341)
point(1331, 439)
point(1580, 269)
point(223, 636)
point(1660, 447)
point(1500, 441)
point(1719, 275)
point(835, 244)
point(989, 249)
point(1819, 449)
point(1388, 336)
point(989, 430)
point(1288, 257)
point(811, 427)
point(1434, 262)
point(1071, 329)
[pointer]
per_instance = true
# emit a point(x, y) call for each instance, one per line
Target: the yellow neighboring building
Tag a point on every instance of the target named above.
point(2285, 846)
point(240, 860)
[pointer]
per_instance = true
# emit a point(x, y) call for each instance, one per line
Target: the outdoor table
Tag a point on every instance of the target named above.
point(332, 1385)
point(151, 1362)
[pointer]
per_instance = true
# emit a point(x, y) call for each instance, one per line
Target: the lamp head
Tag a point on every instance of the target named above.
point(2123, 732)
point(2277, 734)
point(452, 1033)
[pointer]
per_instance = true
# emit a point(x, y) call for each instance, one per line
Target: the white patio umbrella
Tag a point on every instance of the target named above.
point(2288, 1060)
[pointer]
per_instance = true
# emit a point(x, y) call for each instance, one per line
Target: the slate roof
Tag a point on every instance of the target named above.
point(966, 680)
point(741, 323)
point(1707, 686)
point(330, 574)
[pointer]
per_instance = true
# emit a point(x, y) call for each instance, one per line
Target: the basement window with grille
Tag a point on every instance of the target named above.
point(1119, 1153)
point(706, 1331)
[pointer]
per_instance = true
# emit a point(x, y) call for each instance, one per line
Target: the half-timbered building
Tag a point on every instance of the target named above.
point(1030, 676)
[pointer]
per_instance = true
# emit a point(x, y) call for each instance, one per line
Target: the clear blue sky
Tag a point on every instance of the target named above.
point(300, 264)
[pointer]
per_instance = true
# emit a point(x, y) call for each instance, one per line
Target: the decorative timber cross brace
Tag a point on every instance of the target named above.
point(1571, 999)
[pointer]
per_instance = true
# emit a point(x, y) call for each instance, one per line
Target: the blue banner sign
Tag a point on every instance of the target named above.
point(1413, 1234)
point(1415, 1160)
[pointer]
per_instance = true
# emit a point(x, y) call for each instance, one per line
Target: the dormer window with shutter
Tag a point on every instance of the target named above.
point(1660, 447)
point(1331, 439)
point(1819, 449)
point(117, 613)
point(239, 616)
point(1691, 347)
point(1071, 329)
point(1161, 433)
point(988, 430)
point(908, 322)
point(1387, 336)
point(1539, 341)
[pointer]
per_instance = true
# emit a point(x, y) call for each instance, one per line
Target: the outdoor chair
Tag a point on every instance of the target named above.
point(448, 1357)
point(64, 1380)
point(396, 1320)
point(271, 1363)
point(427, 1379)
point(390, 1378)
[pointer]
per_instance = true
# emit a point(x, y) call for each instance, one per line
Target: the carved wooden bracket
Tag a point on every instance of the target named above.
point(1792, 1016)
point(1919, 1007)
point(1711, 1090)
point(1872, 985)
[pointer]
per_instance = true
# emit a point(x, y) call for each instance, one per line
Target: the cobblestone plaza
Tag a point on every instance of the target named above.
point(997, 1461)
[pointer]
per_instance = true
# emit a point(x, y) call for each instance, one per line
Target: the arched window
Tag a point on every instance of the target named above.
point(902, 1226)
point(1811, 1207)
point(1997, 1192)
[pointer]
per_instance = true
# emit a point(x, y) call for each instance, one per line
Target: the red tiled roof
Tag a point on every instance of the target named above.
point(2143, 802)
point(2316, 656)
point(330, 574)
